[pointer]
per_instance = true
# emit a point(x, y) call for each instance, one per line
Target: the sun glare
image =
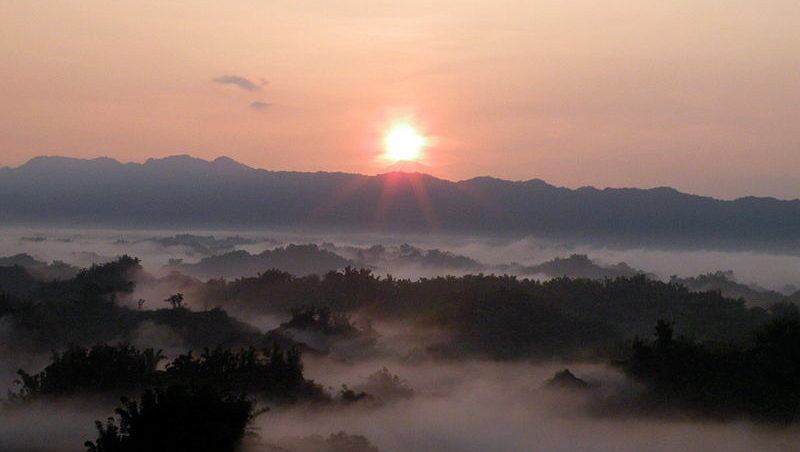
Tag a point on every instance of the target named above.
point(403, 143)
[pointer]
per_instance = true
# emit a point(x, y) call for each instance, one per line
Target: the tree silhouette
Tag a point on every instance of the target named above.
point(274, 375)
point(175, 300)
point(757, 378)
point(176, 419)
point(99, 369)
point(663, 334)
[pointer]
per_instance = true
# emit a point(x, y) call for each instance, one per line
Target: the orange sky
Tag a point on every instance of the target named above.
point(701, 95)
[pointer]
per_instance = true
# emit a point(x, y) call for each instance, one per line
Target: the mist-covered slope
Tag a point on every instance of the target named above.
point(185, 191)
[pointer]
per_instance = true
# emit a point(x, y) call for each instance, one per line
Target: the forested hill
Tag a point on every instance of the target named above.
point(186, 191)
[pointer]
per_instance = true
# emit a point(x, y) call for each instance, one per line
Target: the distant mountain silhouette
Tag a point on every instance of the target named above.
point(37, 269)
point(574, 266)
point(298, 260)
point(22, 260)
point(201, 245)
point(725, 282)
point(183, 191)
point(387, 258)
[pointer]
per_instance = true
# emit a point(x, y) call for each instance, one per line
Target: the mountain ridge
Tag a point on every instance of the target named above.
point(220, 161)
point(187, 191)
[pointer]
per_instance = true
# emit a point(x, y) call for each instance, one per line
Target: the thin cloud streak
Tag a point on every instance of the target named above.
point(241, 82)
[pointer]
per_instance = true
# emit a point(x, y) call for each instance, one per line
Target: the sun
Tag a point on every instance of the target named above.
point(403, 143)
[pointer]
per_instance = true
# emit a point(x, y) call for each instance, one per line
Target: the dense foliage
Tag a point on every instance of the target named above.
point(504, 317)
point(176, 419)
point(321, 320)
point(275, 375)
point(99, 369)
point(759, 379)
point(705, 358)
point(82, 311)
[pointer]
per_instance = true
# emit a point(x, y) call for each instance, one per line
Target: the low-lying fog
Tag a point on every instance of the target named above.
point(467, 406)
point(474, 406)
point(84, 247)
point(49, 427)
point(485, 406)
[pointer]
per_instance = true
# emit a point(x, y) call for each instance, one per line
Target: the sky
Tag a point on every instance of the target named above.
point(700, 95)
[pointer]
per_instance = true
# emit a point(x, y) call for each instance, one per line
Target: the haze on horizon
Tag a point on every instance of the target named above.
point(701, 96)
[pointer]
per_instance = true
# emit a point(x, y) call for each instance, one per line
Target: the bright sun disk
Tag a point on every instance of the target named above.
point(403, 143)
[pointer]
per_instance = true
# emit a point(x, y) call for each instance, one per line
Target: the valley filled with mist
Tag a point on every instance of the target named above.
point(367, 342)
point(399, 226)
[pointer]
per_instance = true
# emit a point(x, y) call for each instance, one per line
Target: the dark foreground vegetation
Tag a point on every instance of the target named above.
point(182, 419)
point(500, 317)
point(176, 419)
point(273, 375)
point(757, 379)
point(203, 403)
point(712, 356)
point(504, 317)
point(83, 310)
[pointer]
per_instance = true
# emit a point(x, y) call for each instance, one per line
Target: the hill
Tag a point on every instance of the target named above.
point(183, 191)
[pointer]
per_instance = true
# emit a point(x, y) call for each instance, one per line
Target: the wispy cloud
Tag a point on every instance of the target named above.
point(258, 105)
point(241, 82)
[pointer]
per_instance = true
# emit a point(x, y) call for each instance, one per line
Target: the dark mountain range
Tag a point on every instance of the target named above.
point(725, 282)
point(183, 191)
point(296, 259)
point(385, 258)
point(37, 269)
point(574, 266)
